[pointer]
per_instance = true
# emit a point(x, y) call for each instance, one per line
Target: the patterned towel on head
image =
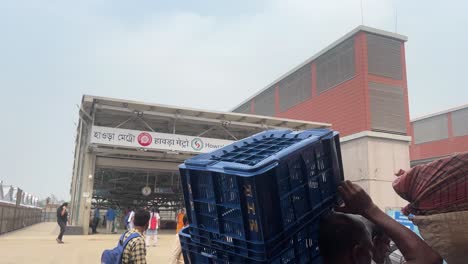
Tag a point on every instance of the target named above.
point(437, 187)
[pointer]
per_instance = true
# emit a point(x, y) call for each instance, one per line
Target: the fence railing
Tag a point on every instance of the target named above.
point(49, 216)
point(14, 217)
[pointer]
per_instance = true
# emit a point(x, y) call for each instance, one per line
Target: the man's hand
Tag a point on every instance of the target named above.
point(356, 200)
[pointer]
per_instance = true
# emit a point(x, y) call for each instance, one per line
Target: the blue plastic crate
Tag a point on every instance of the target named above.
point(249, 249)
point(300, 248)
point(259, 187)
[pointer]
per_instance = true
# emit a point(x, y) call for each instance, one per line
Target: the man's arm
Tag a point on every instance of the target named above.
point(413, 248)
point(64, 210)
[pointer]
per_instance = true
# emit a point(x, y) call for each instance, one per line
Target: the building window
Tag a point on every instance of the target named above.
point(264, 103)
point(384, 56)
point(335, 66)
point(295, 88)
point(387, 107)
point(430, 129)
point(460, 122)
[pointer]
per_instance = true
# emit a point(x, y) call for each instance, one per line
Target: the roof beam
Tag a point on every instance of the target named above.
point(198, 119)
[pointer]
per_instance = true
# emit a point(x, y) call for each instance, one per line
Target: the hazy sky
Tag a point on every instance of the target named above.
point(207, 54)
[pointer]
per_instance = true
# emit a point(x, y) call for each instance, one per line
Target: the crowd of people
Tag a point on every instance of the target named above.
point(145, 223)
point(357, 232)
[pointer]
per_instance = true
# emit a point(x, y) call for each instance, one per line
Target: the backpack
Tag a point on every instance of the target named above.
point(153, 222)
point(114, 256)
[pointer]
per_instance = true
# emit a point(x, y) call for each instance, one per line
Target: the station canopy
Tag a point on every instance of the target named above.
point(138, 145)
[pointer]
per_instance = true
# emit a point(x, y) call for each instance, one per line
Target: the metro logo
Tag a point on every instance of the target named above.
point(144, 139)
point(197, 144)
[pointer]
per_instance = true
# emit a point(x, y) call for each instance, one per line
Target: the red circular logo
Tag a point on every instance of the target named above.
point(145, 139)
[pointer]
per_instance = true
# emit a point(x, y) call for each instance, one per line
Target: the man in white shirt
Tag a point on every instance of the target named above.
point(130, 220)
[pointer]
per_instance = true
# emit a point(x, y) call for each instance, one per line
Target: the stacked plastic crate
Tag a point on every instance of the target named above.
point(259, 200)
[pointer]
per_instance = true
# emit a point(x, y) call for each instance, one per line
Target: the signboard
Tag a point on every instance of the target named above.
point(154, 140)
point(402, 219)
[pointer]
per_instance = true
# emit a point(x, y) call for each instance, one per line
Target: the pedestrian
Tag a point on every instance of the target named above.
point(116, 223)
point(153, 226)
point(62, 218)
point(180, 220)
point(130, 219)
point(177, 252)
point(110, 217)
point(135, 251)
point(158, 216)
point(96, 219)
point(345, 240)
point(126, 215)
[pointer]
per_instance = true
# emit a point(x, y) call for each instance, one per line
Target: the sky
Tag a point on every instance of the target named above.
point(203, 54)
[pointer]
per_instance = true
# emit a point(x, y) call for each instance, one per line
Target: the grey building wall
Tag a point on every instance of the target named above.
point(295, 88)
point(387, 107)
point(460, 122)
point(430, 129)
point(336, 66)
point(384, 56)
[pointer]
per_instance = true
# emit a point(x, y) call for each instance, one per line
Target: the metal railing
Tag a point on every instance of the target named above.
point(13, 217)
point(49, 216)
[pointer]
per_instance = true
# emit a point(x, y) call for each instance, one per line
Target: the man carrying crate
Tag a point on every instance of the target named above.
point(344, 239)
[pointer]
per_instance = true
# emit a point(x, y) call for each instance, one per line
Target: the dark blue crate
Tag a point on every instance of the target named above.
point(249, 249)
point(300, 247)
point(259, 187)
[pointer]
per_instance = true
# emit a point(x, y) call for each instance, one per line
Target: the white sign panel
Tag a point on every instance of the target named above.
point(154, 140)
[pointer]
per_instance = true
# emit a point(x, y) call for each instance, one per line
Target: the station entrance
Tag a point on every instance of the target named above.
point(127, 153)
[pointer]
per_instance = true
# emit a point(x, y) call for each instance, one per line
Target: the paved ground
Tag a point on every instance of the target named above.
point(36, 244)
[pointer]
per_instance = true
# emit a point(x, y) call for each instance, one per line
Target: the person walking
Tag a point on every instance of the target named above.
point(96, 219)
point(110, 217)
point(180, 220)
point(135, 251)
point(176, 257)
point(158, 216)
point(62, 218)
point(131, 216)
point(153, 226)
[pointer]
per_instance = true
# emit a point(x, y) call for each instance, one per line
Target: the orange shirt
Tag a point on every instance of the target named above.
point(180, 221)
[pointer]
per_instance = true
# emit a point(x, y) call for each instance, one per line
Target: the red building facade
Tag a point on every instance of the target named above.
point(358, 83)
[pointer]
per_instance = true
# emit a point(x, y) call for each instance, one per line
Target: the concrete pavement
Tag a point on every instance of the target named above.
point(36, 244)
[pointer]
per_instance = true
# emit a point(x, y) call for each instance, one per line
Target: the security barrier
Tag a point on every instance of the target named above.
point(14, 217)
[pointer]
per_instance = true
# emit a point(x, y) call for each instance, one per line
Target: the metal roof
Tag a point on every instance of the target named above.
point(329, 47)
point(183, 113)
point(440, 113)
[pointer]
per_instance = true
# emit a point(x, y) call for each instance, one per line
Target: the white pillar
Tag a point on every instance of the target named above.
point(370, 159)
point(87, 191)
